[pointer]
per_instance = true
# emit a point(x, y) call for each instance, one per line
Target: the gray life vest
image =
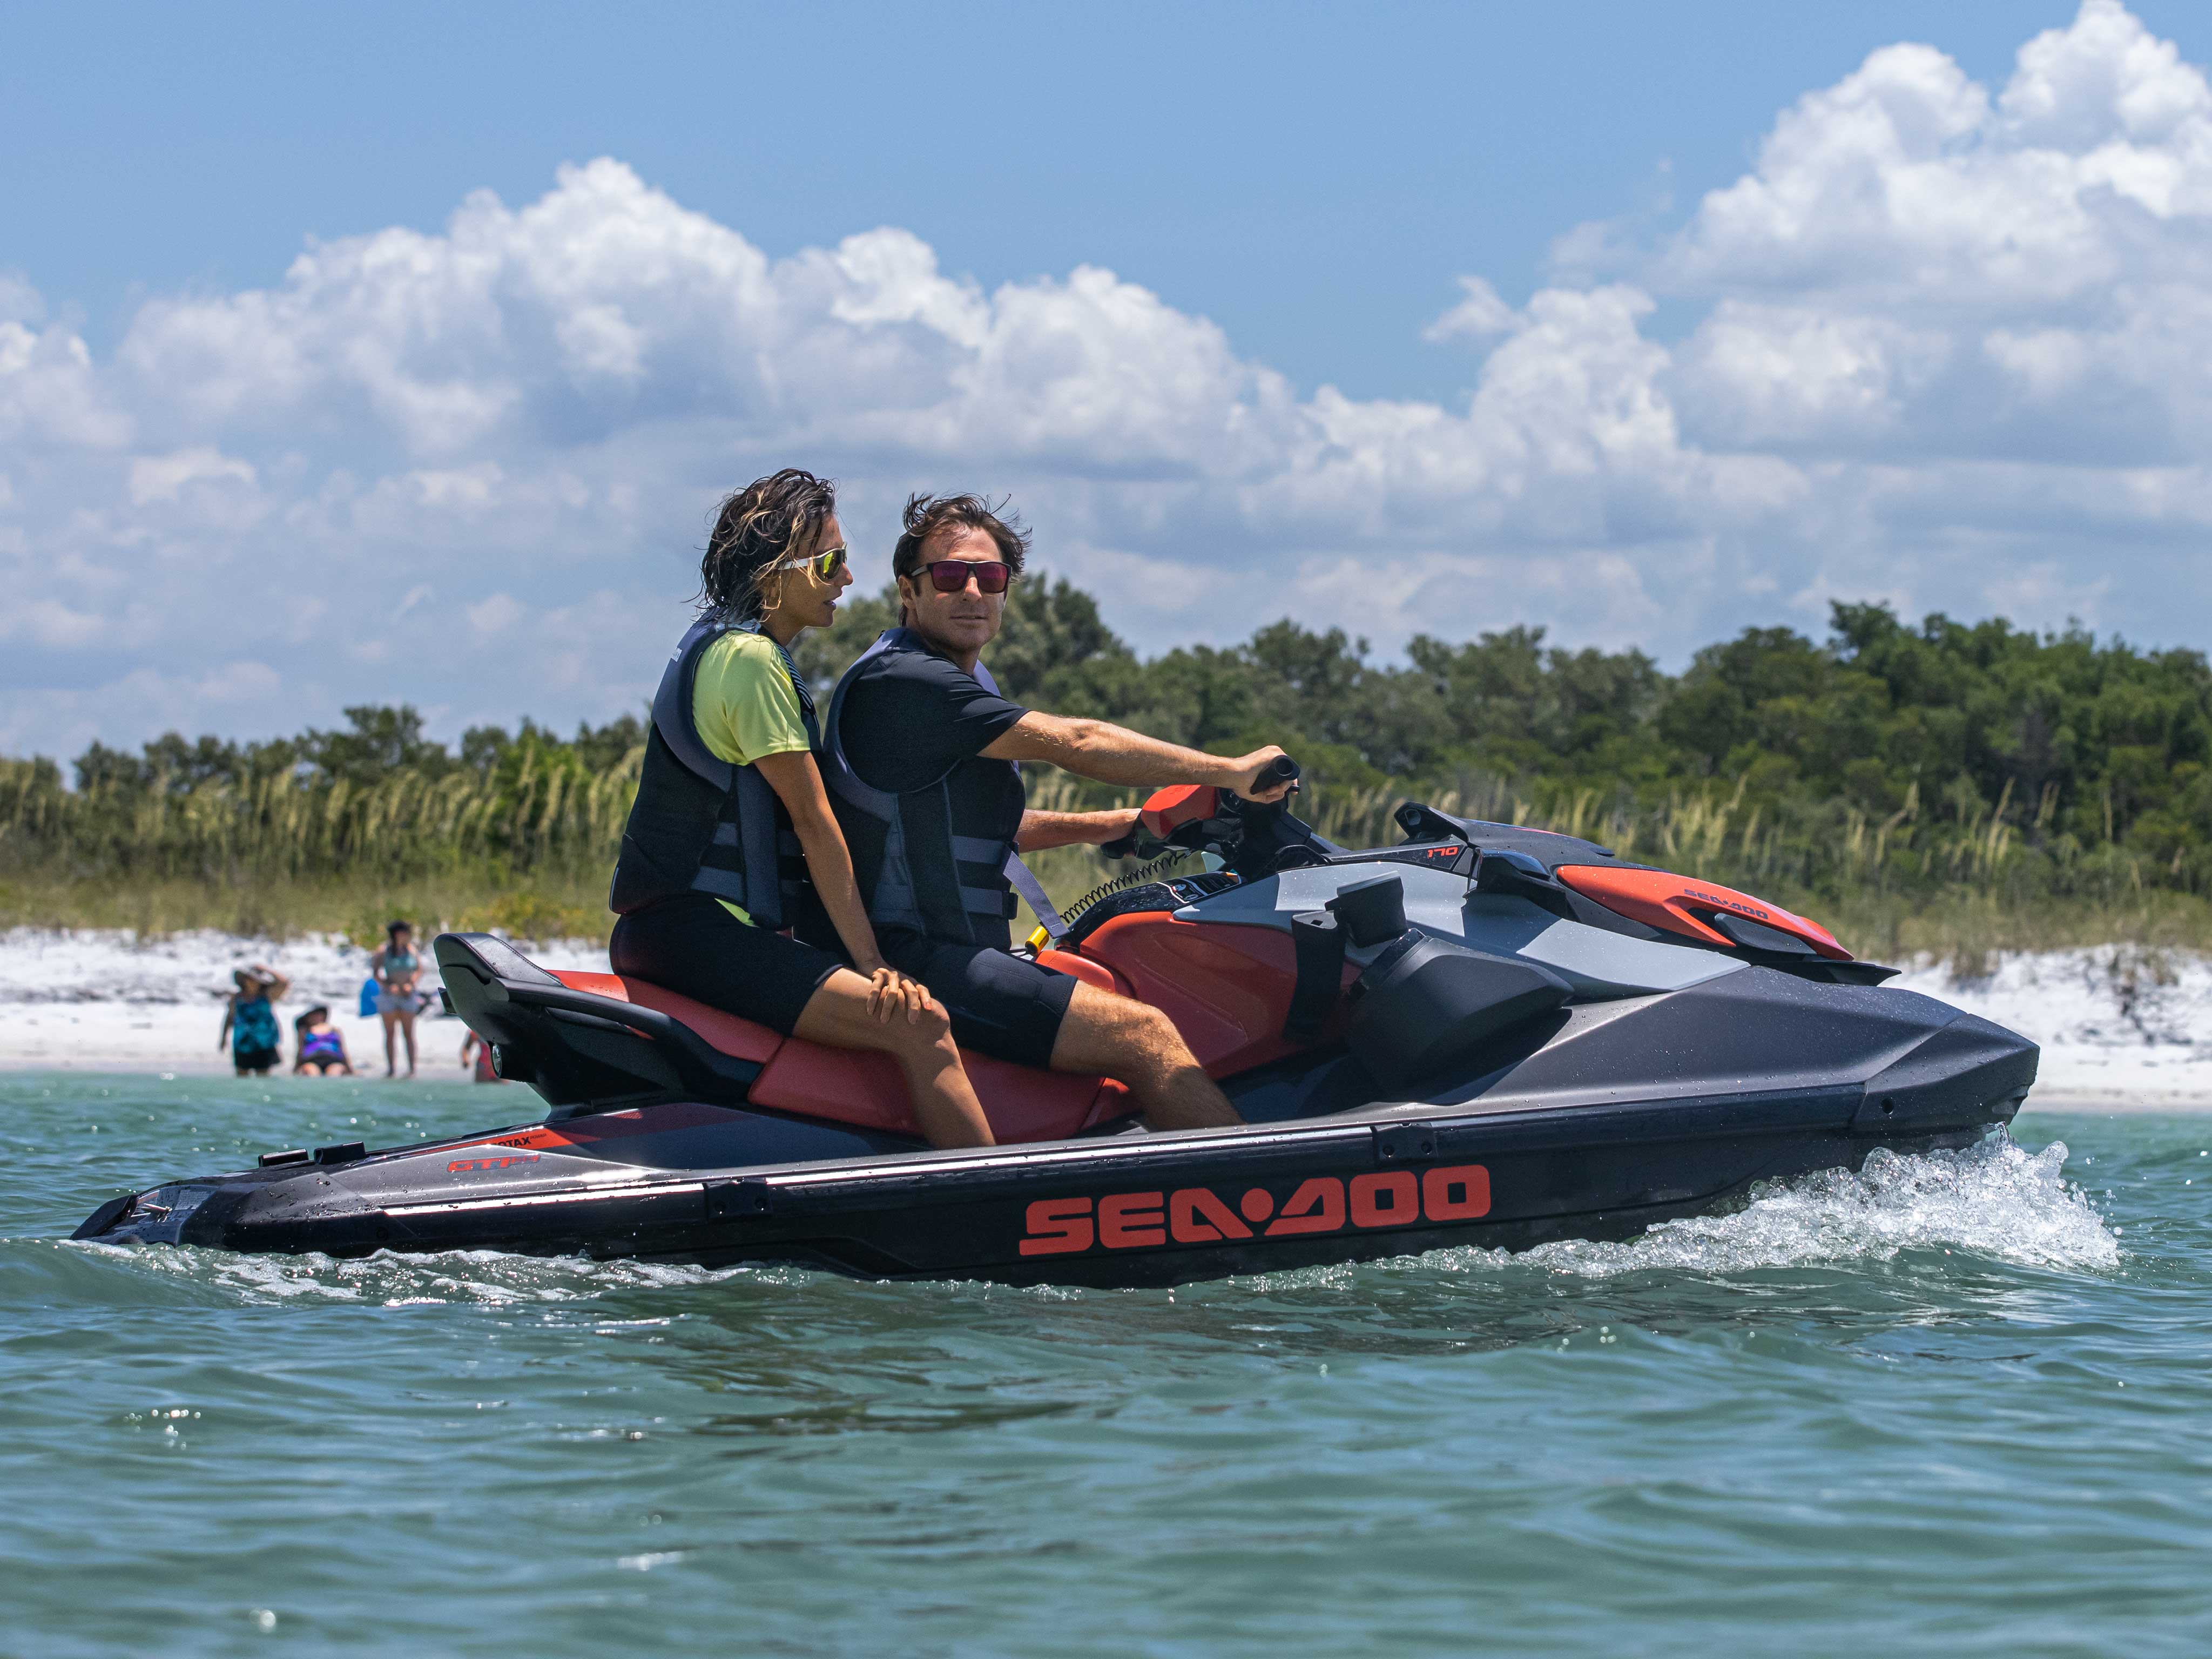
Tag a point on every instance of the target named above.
point(915, 870)
point(700, 824)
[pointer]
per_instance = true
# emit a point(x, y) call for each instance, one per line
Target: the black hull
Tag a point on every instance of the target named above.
point(1126, 1210)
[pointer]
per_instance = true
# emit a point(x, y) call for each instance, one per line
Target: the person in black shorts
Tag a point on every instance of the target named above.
point(921, 751)
point(249, 1020)
point(731, 835)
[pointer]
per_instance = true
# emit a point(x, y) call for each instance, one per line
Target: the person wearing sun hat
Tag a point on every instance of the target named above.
point(249, 1020)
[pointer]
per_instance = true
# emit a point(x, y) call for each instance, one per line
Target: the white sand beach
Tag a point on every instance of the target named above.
point(100, 1001)
point(2117, 1025)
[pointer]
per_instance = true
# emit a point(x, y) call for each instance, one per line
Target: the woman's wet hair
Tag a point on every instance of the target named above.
point(770, 519)
point(391, 928)
point(926, 515)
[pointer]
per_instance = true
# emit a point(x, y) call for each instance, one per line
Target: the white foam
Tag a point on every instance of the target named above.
point(391, 1280)
point(1994, 1200)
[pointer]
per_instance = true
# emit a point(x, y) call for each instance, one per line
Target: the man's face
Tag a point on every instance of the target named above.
point(959, 623)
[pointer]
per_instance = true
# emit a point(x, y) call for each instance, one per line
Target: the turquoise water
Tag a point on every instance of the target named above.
point(1959, 1404)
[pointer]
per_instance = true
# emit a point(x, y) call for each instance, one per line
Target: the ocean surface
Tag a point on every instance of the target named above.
point(1959, 1404)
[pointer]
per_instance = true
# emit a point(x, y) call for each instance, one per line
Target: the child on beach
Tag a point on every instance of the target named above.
point(321, 1049)
point(249, 1020)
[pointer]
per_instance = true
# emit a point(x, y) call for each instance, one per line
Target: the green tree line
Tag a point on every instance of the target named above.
point(1910, 756)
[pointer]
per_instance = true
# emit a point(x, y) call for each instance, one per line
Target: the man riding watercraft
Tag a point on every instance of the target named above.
point(730, 826)
point(921, 756)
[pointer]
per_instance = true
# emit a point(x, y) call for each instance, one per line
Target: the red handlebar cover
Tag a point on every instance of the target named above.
point(1180, 804)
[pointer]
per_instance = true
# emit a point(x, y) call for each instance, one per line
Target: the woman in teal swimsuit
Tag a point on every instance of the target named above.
point(396, 968)
point(249, 1020)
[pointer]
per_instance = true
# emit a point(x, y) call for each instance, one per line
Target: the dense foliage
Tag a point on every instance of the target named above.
point(1904, 755)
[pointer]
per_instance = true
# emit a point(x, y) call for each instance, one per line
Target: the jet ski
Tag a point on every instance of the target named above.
point(1487, 1035)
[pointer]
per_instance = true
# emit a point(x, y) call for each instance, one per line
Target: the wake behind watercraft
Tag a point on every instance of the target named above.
point(1488, 1035)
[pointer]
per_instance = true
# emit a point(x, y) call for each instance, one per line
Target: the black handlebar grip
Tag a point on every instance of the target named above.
point(1120, 847)
point(1281, 769)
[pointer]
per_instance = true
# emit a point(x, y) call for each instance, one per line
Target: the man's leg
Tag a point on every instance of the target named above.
point(1008, 1006)
point(1135, 1044)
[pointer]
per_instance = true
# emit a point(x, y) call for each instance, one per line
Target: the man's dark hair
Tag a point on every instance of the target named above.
point(926, 515)
point(768, 520)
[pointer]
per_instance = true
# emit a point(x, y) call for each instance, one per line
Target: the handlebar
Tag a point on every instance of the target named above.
point(1281, 770)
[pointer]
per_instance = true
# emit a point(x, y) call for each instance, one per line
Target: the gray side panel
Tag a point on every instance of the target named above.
point(1758, 1031)
point(1597, 963)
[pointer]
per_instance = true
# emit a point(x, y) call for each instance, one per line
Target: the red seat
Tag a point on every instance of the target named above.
point(865, 1089)
point(732, 1033)
point(1227, 988)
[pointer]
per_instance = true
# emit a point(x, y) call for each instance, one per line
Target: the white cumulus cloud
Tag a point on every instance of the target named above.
point(1944, 343)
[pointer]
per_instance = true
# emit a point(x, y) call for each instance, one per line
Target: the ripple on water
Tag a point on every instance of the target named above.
point(1930, 1405)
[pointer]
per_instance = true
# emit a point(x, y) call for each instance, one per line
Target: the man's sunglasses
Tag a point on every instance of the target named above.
point(825, 565)
point(950, 576)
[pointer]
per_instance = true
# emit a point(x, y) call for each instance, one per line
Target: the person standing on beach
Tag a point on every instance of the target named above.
point(249, 1020)
point(396, 968)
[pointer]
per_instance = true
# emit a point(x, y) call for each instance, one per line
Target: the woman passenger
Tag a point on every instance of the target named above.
point(732, 829)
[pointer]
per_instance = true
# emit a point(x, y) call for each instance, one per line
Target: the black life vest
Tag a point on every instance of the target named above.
point(917, 868)
point(700, 825)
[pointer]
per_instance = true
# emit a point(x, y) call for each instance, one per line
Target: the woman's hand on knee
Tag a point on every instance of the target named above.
point(889, 992)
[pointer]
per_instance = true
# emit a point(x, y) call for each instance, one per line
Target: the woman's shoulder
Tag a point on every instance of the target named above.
point(745, 663)
point(741, 646)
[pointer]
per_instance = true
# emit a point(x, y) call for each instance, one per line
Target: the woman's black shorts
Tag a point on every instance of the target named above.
point(691, 944)
point(253, 1060)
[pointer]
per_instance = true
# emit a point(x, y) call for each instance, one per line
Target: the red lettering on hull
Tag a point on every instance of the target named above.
point(470, 1166)
point(1199, 1215)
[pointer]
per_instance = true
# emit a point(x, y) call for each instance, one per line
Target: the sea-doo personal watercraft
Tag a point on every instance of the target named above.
point(1489, 1035)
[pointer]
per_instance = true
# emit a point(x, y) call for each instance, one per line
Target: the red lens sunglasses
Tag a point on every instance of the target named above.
point(950, 576)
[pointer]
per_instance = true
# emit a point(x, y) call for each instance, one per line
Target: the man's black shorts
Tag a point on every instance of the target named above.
point(1002, 1006)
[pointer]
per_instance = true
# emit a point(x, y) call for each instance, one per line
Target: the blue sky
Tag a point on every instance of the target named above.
point(236, 494)
point(1311, 178)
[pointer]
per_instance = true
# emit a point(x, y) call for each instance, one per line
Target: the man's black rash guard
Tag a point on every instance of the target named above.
point(912, 717)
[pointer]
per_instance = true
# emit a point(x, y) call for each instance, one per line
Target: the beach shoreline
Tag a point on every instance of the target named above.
point(2117, 1025)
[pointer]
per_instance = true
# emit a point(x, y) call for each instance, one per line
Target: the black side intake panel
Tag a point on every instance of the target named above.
point(1371, 911)
point(1425, 1004)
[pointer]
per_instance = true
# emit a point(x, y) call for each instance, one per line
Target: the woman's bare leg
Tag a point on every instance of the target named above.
point(390, 1046)
point(407, 1027)
point(838, 1016)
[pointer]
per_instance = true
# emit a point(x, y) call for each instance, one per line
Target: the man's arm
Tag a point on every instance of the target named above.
point(1043, 829)
point(1114, 754)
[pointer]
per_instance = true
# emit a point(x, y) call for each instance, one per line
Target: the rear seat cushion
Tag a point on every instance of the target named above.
point(848, 1086)
point(732, 1033)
